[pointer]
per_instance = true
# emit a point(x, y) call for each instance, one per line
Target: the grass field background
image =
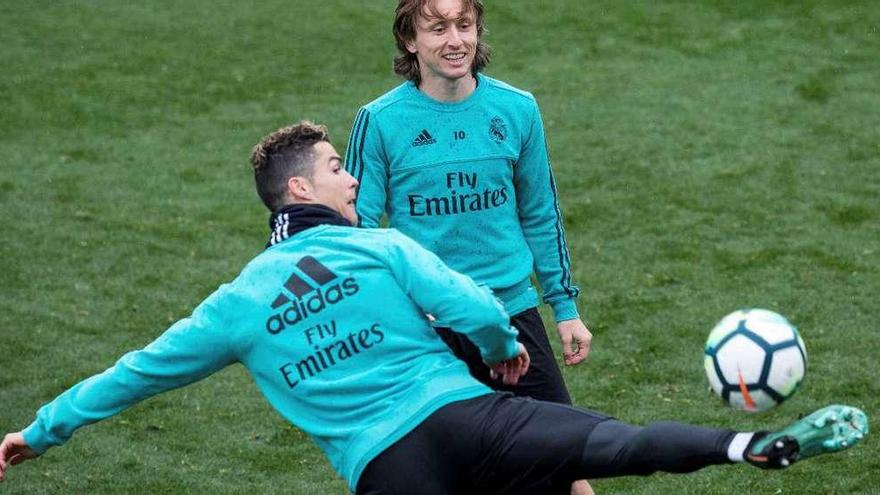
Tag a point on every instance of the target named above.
point(710, 156)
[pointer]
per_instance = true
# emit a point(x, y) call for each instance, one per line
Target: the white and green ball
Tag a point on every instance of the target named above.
point(755, 359)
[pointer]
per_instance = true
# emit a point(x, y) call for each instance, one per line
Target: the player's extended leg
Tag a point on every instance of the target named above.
point(509, 445)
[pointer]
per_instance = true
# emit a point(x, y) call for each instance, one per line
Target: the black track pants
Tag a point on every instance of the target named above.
point(502, 444)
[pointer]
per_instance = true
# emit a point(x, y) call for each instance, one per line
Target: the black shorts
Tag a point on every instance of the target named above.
point(495, 443)
point(544, 379)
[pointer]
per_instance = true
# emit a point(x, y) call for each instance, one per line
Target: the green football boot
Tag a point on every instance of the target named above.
point(830, 429)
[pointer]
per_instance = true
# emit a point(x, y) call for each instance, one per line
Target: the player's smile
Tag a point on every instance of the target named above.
point(457, 59)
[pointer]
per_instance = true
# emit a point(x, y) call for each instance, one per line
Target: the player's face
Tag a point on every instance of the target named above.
point(332, 185)
point(445, 42)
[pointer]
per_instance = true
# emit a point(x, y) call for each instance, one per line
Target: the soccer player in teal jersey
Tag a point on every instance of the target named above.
point(458, 161)
point(330, 321)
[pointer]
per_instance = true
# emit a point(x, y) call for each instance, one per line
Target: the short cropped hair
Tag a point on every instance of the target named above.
point(285, 153)
point(406, 16)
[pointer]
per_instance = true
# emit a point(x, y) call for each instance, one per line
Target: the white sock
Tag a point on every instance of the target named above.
point(737, 448)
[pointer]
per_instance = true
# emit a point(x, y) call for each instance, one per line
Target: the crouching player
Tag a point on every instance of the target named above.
point(378, 391)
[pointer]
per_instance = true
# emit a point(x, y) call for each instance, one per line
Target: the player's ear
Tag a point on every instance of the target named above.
point(300, 188)
point(411, 46)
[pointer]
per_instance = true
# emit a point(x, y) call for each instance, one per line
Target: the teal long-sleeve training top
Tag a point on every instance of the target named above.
point(470, 181)
point(331, 325)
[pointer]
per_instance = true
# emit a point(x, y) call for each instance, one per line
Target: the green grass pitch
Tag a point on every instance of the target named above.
point(711, 155)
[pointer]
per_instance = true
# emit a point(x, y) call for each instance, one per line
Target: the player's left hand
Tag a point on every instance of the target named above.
point(576, 340)
point(510, 370)
point(14, 450)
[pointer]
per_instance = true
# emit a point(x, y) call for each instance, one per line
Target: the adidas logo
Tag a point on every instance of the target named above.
point(309, 298)
point(423, 138)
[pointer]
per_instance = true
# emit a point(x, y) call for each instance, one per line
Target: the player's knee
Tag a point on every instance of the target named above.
point(646, 449)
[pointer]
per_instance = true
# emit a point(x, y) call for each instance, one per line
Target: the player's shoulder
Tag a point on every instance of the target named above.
point(388, 100)
point(506, 90)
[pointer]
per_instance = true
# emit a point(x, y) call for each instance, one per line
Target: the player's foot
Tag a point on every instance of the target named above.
point(830, 429)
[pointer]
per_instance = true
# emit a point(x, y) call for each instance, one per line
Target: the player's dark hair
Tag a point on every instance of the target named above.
point(406, 16)
point(285, 153)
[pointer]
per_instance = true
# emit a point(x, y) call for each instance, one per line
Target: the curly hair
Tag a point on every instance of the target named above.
point(406, 16)
point(285, 153)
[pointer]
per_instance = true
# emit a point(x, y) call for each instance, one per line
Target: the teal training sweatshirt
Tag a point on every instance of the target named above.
point(470, 181)
point(331, 325)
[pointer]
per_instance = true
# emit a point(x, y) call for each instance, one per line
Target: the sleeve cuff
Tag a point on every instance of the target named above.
point(564, 309)
point(37, 438)
point(508, 349)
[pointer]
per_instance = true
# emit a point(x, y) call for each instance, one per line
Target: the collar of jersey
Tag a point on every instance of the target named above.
point(456, 106)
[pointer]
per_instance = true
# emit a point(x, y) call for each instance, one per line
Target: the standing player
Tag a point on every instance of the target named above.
point(458, 162)
point(330, 322)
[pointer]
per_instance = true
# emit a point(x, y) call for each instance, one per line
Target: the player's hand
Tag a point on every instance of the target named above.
point(576, 340)
point(13, 451)
point(510, 370)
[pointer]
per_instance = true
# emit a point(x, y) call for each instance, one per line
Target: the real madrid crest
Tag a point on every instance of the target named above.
point(497, 129)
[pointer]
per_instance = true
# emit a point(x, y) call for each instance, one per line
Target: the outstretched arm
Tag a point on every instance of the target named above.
point(190, 350)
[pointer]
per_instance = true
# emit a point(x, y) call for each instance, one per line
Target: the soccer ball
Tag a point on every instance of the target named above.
point(755, 359)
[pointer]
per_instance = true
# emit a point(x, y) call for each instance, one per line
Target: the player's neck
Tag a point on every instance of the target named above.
point(448, 90)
